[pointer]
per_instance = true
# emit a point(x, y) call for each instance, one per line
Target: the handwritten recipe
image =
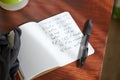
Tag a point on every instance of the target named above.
point(55, 27)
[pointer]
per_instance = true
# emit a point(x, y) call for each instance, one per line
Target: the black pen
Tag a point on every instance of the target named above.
point(84, 43)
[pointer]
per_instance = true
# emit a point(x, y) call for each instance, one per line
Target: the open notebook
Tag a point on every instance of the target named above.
point(50, 43)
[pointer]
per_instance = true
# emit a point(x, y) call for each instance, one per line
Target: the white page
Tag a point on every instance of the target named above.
point(39, 50)
point(65, 35)
point(35, 54)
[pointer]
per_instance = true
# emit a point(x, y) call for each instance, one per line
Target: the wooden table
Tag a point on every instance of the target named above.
point(81, 10)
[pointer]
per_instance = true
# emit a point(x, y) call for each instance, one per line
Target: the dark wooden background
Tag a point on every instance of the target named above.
point(98, 10)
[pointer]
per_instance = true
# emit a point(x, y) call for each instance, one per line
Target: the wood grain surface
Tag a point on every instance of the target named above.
point(98, 10)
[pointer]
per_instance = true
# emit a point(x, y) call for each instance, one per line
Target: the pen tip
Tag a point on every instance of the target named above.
point(81, 62)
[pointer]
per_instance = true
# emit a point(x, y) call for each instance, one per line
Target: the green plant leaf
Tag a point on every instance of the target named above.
point(116, 13)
